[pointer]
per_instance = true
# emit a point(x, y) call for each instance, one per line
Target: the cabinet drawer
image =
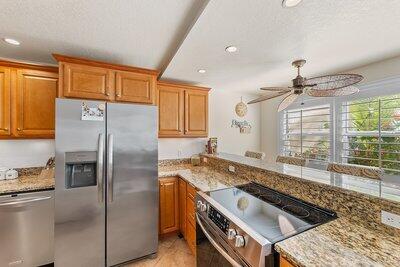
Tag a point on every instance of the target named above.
point(190, 211)
point(191, 237)
point(191, 191)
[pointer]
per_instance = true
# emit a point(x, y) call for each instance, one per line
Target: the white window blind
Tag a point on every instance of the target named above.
point(306, 133)
point(370, 133)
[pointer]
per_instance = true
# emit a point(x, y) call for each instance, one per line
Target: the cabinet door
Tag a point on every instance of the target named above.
point(182, 207)
point(170, 111)
point(87, 82)
point(191, 237)
point(169, 214)
point(196, 113)
point(5, 102)
point(35, 103)
point(135, 87)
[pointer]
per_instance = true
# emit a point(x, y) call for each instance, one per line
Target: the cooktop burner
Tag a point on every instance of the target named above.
point(272, 214)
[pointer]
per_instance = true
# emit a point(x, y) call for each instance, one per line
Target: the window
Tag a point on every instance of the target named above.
point(371, 133)
point(306, 133)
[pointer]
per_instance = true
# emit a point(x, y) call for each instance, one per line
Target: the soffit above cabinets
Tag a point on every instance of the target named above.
point(333, 36)
point(190, 35)
point(140, 33)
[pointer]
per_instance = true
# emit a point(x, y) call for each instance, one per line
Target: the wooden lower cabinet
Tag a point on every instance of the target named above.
point(169, 209)
point(177, 209)
point(182, 207)
point(284, 263)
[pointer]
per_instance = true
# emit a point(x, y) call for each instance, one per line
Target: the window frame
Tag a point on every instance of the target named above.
point(383, 87)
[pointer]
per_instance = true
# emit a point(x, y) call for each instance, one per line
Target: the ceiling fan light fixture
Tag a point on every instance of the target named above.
point(290, 3)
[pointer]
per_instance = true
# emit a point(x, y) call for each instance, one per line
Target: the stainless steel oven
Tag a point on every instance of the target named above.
point(211, 248)
point(238, 226)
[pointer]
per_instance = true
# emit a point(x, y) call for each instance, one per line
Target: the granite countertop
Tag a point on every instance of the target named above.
point(389, 190)
point(341, 243)
point(203, 178)
point(26, 183)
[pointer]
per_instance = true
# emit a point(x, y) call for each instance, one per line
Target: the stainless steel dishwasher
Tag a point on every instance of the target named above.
point(27, 229)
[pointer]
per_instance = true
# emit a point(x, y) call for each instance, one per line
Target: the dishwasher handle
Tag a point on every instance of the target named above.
point(23, 201)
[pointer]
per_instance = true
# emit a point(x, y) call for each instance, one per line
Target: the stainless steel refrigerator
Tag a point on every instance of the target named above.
point(106, 192)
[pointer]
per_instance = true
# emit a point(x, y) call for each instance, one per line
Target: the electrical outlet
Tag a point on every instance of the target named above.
point(231, 168)
point(205, 160)
point(390, 219)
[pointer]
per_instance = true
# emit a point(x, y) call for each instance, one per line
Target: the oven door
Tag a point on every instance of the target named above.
point(212, 249)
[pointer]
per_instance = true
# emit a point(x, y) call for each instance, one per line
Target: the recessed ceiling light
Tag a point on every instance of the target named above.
point(290, 3)
point(231, 49)
point(11, 41)
point(201, 71)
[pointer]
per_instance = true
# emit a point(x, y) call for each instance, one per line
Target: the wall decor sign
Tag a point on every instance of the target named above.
point(244, 126)
point(95, 113)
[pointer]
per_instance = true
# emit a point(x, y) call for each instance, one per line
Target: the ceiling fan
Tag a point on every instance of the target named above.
point(322, 86)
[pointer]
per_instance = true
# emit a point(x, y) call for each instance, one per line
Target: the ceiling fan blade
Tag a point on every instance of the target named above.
point(276, 89)
point(336, 81)
point(349, 90)
point(287, 101)
point(266, 97)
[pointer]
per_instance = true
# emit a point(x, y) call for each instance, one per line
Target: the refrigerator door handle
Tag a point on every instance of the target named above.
point(110, 165)
point(100, 164)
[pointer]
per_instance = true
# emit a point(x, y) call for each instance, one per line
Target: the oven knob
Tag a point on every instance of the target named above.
point(203, 207)
point(239, 241)
point(199, 204)
point(231, 234)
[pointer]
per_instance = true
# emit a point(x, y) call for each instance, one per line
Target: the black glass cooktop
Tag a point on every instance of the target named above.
point(272, 214)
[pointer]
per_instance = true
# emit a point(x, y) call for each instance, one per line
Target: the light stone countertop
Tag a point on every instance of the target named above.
point(203, 178)
point(26, 183)
point(341, 242)
point(383, 189)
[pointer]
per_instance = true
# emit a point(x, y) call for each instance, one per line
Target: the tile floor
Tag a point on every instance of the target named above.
point(172, 251)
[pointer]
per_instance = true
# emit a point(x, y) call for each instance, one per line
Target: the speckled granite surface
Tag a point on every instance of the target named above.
point(29, 179)
point(203, 178)
point(357, 238)
point(341, 243)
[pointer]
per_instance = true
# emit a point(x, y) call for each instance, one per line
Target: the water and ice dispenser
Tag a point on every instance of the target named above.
point(80, 169)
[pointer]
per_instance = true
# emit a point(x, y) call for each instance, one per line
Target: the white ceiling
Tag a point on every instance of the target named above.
point(332, 35)
point(133, 32)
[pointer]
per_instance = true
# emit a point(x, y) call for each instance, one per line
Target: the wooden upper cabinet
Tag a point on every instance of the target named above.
point(35, 96)
point(196, 113)
point(135, 87)
point(90, 79)
point(5, 102)
point(182, 110)
point(169, 205)
point(81, 81)
point(170, 111)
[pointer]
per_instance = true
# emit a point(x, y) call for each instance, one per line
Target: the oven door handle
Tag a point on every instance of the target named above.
point(215, 244)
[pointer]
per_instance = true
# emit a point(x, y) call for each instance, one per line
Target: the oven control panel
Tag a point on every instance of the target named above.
point(218, 219)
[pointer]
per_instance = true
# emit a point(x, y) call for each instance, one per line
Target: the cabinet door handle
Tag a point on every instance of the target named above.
point(5, 129)
point(118, 95)
point(107, 94)
point(18, 129)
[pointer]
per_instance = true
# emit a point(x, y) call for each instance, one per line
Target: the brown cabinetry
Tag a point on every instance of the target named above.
point(177, 209)
point(27, 100)
point(169, 210)
point(5, 102)
point(89, 79)
point(81, 81)
point(182, 207)
point(183, 110)
point(284, 263)
point(35, 103)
